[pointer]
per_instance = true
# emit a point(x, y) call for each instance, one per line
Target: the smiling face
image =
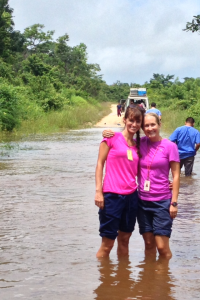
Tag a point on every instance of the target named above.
point(132, 125)
point(152, 127)
point(133, 119)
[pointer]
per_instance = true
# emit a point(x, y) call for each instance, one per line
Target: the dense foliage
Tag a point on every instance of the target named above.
point(176, 95)
point(39, 74)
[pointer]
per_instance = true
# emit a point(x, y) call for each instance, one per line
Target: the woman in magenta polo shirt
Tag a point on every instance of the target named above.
point(157, 206)
point(117, 198)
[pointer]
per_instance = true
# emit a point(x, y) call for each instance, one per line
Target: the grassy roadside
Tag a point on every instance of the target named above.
point(173, 119)
point(57, 121)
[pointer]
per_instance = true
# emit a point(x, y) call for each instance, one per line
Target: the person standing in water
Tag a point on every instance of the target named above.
point(187, 139)
point(117, 197)
point(157, 206)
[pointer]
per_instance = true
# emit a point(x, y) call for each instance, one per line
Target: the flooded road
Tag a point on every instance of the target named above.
point(49, 230)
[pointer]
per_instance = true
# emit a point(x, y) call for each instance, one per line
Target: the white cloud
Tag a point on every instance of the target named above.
point(130, 39)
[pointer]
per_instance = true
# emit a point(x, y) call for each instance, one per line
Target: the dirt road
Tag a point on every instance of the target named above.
point(112, 120)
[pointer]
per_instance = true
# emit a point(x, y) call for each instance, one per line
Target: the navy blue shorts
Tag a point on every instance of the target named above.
point(119, 213)
point(154, 216)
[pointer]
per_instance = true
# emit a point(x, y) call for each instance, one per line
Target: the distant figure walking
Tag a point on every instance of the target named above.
point(119, 109)
point(187, 139)
point(154, 110)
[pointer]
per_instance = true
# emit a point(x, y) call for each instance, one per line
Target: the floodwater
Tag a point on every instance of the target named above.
point(49, 229)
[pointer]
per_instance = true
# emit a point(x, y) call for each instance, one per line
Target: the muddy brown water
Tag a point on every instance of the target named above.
point(49, 229)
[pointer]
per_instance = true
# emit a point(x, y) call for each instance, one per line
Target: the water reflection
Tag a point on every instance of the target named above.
point(115, 278)
point(153, 282)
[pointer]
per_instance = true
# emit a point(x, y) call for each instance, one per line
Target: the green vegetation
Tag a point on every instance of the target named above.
point(56, 121)
point(193, 26)
point(46, 85)
point(176, 99)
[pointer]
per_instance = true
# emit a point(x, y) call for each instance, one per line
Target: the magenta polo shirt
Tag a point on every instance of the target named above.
point(120, 172)
point(159, 172)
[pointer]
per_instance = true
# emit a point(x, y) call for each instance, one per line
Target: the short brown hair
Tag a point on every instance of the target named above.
point(190, 120)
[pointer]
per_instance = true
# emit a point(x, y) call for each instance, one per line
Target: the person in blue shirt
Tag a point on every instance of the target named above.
point(119, 109)
point(187, 139)
point(154, 110)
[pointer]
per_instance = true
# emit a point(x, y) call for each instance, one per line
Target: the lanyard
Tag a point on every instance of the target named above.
point(149, 164)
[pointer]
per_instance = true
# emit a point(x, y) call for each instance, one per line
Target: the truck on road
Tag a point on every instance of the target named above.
point(138, 96)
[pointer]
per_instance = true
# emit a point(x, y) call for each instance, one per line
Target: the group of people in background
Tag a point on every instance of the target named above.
point(152, 201)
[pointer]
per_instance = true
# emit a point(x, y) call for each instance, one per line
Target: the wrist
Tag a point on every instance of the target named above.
point(174, 203)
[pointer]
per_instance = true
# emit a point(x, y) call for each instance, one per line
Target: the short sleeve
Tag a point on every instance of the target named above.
point(197, 141)
point(109, 141)
point(173, 152)
point(173, 136)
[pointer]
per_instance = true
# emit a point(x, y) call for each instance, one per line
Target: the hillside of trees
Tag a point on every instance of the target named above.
point(39, 74)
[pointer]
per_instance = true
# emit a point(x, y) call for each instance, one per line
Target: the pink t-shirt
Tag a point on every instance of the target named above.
point(120, 172)
point(165, 152)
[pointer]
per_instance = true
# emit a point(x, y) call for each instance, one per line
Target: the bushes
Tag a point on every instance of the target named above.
point(9, 107)
point(36, 104)
point(78, 101)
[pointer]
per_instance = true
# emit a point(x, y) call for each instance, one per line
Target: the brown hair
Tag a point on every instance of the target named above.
point(155, 116)
point(136, 113)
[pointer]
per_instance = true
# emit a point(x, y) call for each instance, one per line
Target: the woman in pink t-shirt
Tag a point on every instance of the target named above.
point(117, 197)
point(157, 206)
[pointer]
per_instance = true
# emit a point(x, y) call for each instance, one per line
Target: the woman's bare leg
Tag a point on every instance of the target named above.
point(150, 243)
point(105, 248)
point(162, 244)
point(123, 243)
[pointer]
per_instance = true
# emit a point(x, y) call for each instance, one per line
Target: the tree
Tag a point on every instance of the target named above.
point(36, 66)
point(6, 27)
point(36, 38)
point(161, 79)
point(194, 25)
point(17, 41)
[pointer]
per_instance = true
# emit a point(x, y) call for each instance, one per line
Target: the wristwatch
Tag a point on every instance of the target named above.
point(174, 204)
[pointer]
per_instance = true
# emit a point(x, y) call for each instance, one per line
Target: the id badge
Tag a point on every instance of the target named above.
point(129, 155)
point(147, 185)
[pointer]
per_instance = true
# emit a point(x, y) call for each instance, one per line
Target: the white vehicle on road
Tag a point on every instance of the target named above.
point(138, 96)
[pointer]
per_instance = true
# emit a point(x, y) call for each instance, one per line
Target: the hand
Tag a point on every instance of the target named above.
point(173, 211)
point(99, 200)
point(108, 133)
point(170, 185)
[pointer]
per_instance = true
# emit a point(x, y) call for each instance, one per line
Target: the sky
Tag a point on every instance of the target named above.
point(129, 39)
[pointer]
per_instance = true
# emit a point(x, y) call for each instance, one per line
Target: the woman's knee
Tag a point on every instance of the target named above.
point(107, 244)
point(149, 241)
point(164, 251)
point(123, 238)
point(149, 244)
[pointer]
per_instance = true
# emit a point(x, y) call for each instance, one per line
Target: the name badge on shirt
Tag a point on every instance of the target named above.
point(129, 155)
point(147, 185)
